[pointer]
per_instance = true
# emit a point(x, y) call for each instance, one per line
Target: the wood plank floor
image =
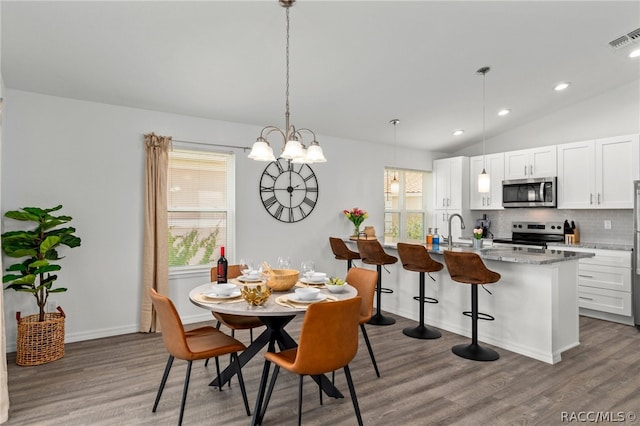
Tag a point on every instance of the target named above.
point(114, 381)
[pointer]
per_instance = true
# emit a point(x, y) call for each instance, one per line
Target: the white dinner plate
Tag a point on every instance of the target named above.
point(295, 298)
point(244, 279)
point(313, 282)
point(211, 294)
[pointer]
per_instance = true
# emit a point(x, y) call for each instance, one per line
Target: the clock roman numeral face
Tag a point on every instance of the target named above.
point(289, 192)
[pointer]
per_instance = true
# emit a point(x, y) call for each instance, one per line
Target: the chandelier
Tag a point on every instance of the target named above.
point(293, 147)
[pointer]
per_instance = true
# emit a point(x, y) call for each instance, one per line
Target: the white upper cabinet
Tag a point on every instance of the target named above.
point(530, 163)
point(598, 173)
point(494, 166)
point(450, 183)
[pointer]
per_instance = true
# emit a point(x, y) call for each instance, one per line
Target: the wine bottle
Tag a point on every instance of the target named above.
point(222, 267)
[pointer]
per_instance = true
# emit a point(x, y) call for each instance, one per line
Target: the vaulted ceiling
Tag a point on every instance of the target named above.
point(355, 65)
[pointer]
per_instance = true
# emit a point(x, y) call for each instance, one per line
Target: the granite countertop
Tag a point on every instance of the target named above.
point(535, 256)
point(597, 246)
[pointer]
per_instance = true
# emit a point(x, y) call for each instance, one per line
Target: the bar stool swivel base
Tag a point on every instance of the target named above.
point(475, 352)
point(379, 319)
point(421, 332)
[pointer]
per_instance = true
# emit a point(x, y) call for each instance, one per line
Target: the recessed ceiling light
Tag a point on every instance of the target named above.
point(561, 86)
point(503, 112)
point(458, 132)
point(635, 53)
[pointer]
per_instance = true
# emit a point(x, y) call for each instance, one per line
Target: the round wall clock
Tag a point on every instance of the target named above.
point(289, 191)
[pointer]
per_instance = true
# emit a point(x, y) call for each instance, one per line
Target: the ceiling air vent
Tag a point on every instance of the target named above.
point(626, 39)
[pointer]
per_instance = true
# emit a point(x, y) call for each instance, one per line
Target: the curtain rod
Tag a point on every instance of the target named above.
point(244, 148)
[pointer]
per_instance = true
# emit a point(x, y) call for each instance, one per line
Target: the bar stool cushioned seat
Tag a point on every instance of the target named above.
point(468, 268)
point(415, 257)
point(342, 252)
point(372, 253)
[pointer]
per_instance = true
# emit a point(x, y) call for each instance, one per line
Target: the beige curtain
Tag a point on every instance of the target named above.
point(155, 273)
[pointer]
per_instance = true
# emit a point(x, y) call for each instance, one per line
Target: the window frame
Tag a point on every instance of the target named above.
point(230, 246)
point(401, 209)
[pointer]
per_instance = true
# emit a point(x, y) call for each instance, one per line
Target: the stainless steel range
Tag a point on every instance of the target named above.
point(534, 234)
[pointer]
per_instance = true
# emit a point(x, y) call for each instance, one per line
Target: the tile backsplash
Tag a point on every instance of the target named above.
point(590, 223)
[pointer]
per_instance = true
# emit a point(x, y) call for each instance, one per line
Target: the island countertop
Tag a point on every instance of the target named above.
point(534, 256)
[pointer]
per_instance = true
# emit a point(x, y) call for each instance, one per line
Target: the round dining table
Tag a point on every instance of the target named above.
point(275, 314)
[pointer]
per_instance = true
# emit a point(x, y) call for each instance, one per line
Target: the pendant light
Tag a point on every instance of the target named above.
point(293, 148)
point(484, 181)
point(395, 184)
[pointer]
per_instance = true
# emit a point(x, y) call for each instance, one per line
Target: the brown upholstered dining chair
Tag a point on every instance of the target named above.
point(365, 280)
point(200, 343)
point(235, 322)
point(342, 252)
point(328, 341)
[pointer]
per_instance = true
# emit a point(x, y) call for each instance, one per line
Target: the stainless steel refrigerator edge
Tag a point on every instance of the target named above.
point(636, 251)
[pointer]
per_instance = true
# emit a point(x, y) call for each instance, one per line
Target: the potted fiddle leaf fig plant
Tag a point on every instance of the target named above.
point(34, 273)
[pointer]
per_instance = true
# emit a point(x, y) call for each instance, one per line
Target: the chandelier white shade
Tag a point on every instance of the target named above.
point(293, 147)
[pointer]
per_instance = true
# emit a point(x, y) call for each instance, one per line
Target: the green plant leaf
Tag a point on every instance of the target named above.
point(23, 216)
point(21, 252)
point(17, 267)
point(38, 263)
point(49, 243)
point(58, 290)
point(47, 268)
point(10, 277)
point(23, 279)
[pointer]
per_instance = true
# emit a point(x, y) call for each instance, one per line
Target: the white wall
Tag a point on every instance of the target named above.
point(90, 158)
point(616, 112)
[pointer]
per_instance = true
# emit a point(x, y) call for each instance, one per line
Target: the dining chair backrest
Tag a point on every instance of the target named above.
point(233, 271)
point(328, 337)
point(364, 280)
point(468, 268)
point(415, 257)
point(173, 334)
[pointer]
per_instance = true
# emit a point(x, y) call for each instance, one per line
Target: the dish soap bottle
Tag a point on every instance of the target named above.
point(429, 238)
point(436, 237)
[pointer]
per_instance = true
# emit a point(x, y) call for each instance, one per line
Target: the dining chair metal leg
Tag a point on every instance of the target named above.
point(236, 361)
point(167, 368)
point(300, 399)
point(366, 340)
point(319, 389)
point(184, 391)
point(352, 391)
point(218, 373)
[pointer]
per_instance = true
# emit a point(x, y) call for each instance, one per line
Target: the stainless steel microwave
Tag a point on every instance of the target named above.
point(535, 192)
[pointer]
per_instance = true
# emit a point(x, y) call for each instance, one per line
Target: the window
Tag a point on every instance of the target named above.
point(405, 208)
point(200, 205)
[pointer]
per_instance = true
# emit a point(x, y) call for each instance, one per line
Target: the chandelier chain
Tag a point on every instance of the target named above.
point(287, 83)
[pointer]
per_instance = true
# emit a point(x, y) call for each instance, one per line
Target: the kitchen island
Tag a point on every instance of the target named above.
point(535, 303)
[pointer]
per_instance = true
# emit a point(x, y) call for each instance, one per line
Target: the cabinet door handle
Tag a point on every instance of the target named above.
point(444, 203)
point(525, 169)
point(584, 298)
point(591, 199)
point(585, 276)
point(598, 198)
point(488, 201)
point(483, 201)
point(531, 170)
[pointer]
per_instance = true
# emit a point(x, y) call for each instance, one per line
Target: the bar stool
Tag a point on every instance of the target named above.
point(372, 253)
point(468, 268)
point(415, 257)
point(342, 252)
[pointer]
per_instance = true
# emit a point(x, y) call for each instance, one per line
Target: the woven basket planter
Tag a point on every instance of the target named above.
point(40, 342)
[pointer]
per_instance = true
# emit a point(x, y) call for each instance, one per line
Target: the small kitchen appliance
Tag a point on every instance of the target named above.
point(484, 224)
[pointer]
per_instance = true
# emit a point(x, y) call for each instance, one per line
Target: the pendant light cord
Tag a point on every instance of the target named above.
point(286, 93)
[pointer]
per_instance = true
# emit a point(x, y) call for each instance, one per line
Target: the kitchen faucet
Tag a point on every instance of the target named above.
point(450, 239)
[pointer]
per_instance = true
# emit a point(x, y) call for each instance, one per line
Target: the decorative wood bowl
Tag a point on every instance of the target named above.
point(283, 279)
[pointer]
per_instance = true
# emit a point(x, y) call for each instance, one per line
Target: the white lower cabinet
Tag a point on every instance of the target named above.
point(604, 285)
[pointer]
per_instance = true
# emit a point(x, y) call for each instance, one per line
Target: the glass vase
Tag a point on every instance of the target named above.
point(477, 243)
point(356, 230)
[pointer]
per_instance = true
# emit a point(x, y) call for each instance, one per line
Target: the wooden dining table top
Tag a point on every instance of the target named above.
point(238, 306)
